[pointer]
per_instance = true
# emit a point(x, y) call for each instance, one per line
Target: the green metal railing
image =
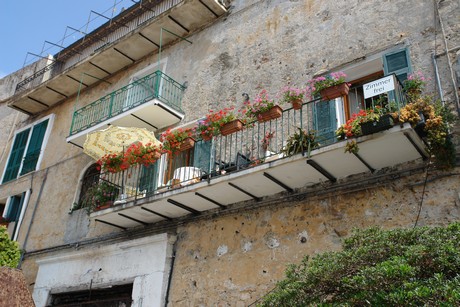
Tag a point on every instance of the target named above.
point(154, 86)
point(257, 143)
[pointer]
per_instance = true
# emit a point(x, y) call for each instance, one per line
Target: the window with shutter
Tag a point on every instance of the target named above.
point(34, 147)
point(398, 63)
point(15, 159)
point(26, 151)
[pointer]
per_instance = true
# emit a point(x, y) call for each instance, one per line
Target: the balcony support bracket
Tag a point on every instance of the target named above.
point(364, 162)
point(133, 219)
point(419, 150)
point(209, 199)
point(281, 184)
point(321, 170)
point(244, 191)
point(178, 204)
point(107, 223)
point(156, 213)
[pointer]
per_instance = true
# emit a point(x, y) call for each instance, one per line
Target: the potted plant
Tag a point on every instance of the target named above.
point(100, 196)
point(178, 140)
point(146, 155)
point(432, 122)
point(228, 121)
point(330, 86)
point(113, 163)
point(263, 109)
point(208, 127)
point(301, 141)
point(294, 96)
point(414, 85)
point(365, 122)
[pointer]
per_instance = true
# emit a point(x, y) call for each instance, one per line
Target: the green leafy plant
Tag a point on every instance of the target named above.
point(300, 141)
point(9, 250)
point(401, 267)
point(99, 194)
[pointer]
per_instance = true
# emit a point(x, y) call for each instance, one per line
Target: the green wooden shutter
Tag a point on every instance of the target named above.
point(203, 155)
point(14, 208)
point(398, 63)
point(34, 147)
point(148, 180)
point(14, 162)
point(325, 121)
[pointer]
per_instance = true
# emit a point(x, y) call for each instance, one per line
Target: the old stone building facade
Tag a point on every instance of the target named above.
point(225, 238)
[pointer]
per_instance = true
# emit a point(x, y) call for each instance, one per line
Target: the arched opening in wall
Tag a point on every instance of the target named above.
point(90, 179)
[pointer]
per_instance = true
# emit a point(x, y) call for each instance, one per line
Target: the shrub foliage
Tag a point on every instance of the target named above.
point(9, 250)
point(402, 267)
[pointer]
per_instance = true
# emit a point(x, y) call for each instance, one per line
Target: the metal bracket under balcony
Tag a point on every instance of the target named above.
point(328, 165)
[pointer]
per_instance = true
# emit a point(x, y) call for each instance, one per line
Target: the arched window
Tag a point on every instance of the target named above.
point(90, 178)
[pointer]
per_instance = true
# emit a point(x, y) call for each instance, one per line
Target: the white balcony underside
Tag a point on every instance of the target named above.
point(385, 149)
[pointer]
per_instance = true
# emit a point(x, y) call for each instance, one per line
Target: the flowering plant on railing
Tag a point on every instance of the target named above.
point(414, 84)
point(291, 94)
point(113, 163)
point(146, 155)
point(172, 139)
point(136, 153)
point(262, 103)
point(315, 85)
point(210, 126)
point(352, 127)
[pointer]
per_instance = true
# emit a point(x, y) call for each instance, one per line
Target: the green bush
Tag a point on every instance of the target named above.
point(9, 250)
point(402, 267)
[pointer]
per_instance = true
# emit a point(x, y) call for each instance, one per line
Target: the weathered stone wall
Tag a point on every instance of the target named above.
point(235, 259)
point(13, 289)
point(260, 44)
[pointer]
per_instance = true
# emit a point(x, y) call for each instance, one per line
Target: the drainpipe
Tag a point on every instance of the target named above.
point(438, 80)
point(448, 60)
point(173, 258)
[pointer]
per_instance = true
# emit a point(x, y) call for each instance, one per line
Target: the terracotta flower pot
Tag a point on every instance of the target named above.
point(231, 127)
point(335, 91)
point(273, 113)
point(296, 104)
point(187, 144)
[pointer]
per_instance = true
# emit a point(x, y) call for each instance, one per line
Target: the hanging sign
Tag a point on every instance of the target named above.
point(379, 86)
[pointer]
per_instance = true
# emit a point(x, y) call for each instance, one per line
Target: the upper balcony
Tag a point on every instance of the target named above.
point(152, 102)
point(251, 164)
point(142, 29)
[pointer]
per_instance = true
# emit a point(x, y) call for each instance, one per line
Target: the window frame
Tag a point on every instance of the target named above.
point(17, 224)
point(50, 119)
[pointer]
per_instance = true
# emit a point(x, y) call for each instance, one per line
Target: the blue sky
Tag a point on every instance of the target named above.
point(25, 25)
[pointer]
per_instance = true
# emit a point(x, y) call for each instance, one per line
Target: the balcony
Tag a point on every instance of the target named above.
point(240, 167)
point(123, 40)
point(152, 102)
